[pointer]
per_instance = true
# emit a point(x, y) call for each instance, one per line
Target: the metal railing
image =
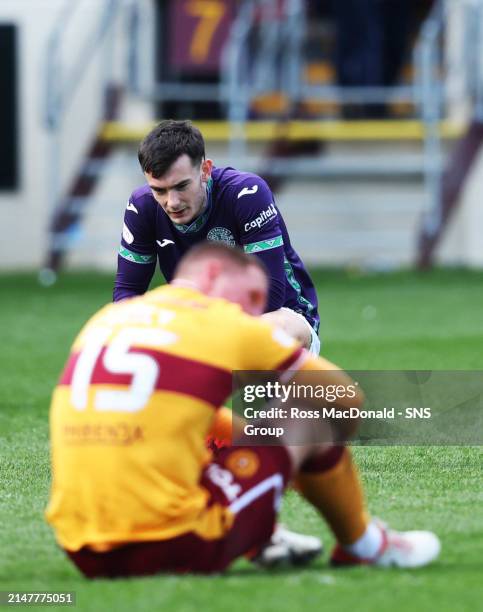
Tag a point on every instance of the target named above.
point(264, 54)
point(62, 82)
point(249, 71)
point(430, 96)
point(432, 83)
point(445, 178)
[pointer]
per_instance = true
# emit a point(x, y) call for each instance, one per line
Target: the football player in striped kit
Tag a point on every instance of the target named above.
point(135, 490)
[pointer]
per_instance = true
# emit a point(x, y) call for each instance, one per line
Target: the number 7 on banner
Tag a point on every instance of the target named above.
point(210, 13)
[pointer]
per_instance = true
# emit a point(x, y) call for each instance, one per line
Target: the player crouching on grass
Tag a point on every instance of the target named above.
point(136, 492)
point(187, 200)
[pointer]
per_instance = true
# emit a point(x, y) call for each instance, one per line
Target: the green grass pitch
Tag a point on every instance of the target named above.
point(389, 321)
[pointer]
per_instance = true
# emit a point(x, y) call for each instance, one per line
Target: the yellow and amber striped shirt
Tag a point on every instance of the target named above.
point(131, 411)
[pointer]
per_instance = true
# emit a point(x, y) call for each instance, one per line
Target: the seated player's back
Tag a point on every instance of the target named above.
point(131, 412)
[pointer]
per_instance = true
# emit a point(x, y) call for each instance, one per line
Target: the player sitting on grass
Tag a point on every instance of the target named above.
point(135, 491)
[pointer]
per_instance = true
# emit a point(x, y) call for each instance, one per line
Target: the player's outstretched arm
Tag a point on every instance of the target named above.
point(136, 260)
point(132, 278)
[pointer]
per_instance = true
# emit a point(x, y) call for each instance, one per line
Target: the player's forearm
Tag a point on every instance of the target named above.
point(276, 297)
point(119, 294)
point(131, 279)
point(273, 261)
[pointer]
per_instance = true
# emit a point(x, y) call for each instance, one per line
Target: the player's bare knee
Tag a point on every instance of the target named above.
point(346, 429)
point(304, 439)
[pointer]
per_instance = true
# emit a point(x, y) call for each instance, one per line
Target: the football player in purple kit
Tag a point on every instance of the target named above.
point(187, 200)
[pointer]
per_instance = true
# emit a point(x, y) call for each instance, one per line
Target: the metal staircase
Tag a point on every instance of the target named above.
point(264, 57)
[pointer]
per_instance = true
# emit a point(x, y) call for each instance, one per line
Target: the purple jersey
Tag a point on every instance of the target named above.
point(240, 211)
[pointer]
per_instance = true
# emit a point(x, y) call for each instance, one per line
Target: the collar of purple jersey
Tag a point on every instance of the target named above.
point(200, 221)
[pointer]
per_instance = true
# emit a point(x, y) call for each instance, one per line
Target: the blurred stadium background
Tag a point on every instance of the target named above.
point(374, 162)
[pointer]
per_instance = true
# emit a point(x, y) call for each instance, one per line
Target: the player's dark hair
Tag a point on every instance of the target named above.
point(168, 141)
point(232, 255)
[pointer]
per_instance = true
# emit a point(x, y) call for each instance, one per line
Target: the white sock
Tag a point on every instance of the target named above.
point(369, 544)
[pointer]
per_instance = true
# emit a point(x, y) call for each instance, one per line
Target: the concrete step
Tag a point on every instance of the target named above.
point(366, 223)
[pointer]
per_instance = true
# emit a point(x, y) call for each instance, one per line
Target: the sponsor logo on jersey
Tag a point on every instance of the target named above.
point(164, 242)
point(263, 218)
point(130, 206)
point(127, 235)
point(221, 234)
point(248, 191)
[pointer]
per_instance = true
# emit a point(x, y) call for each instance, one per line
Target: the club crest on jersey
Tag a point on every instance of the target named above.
point(221, 234)
point(263, 218)
point(243, 463)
